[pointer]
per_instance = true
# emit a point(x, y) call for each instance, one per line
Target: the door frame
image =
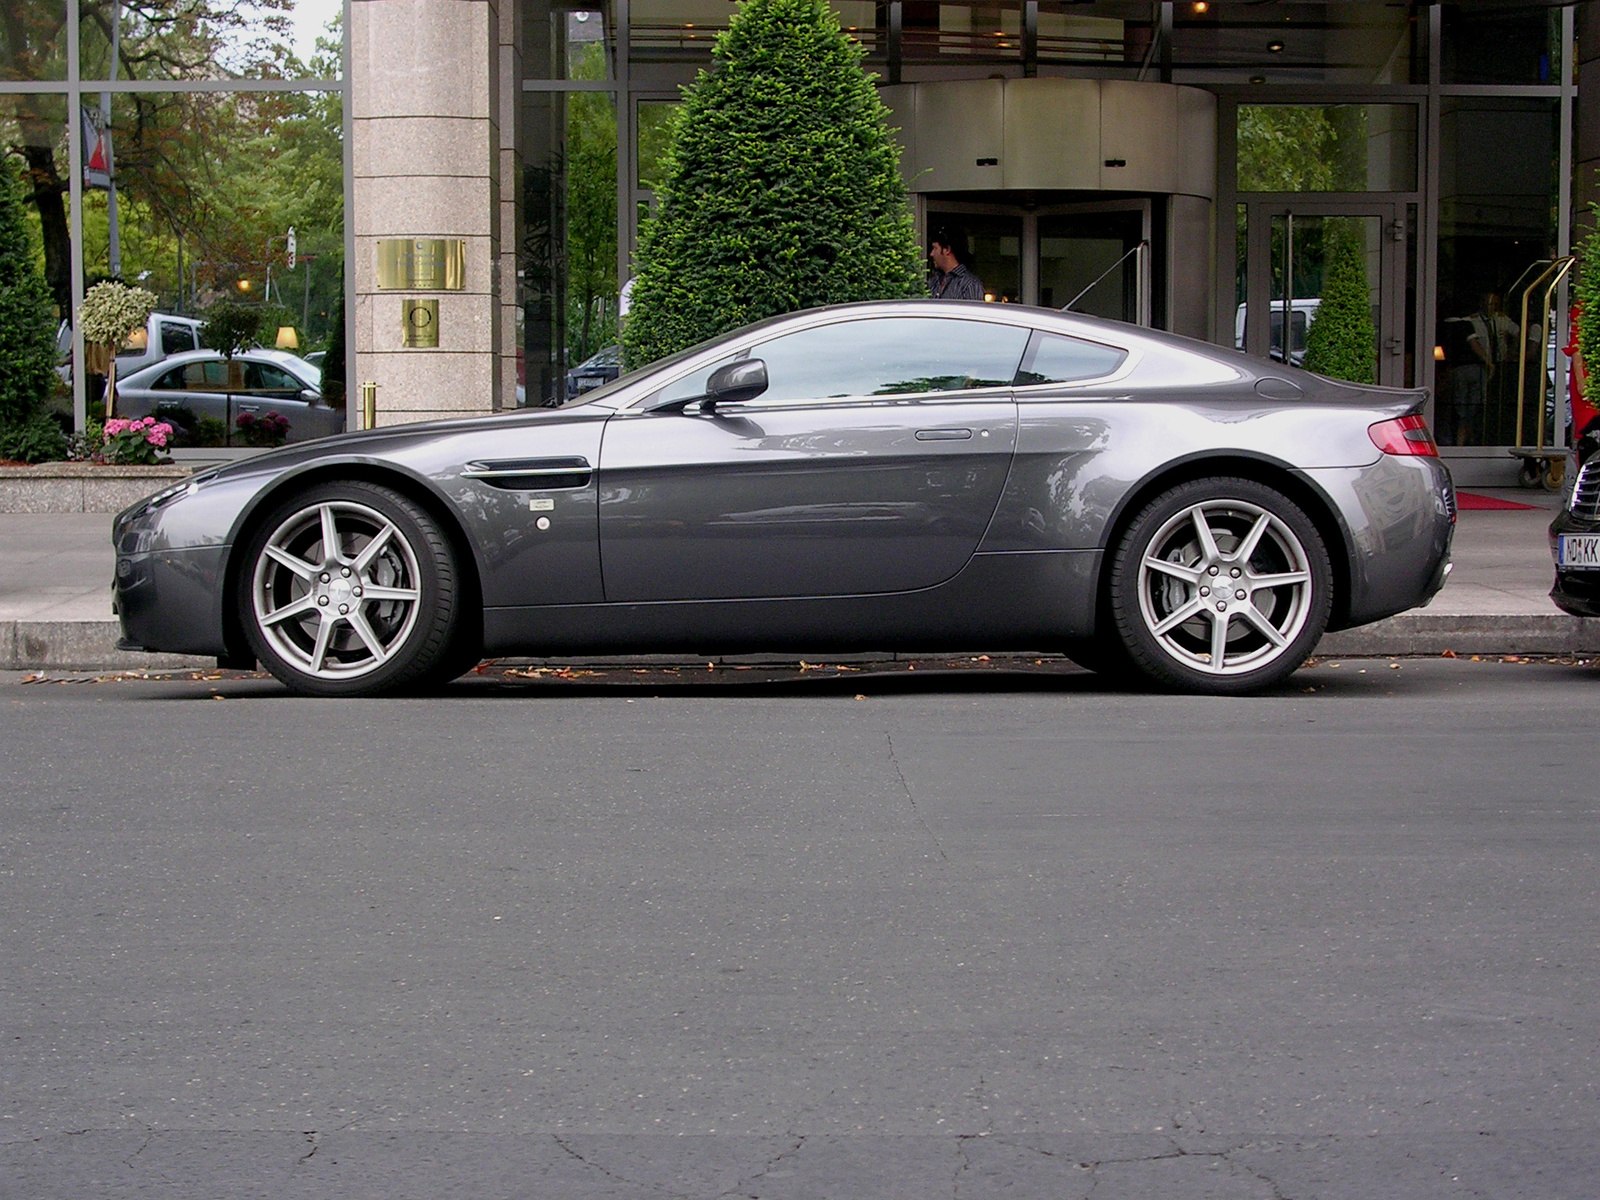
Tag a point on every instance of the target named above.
point(1030, 215)
point(1391, 208)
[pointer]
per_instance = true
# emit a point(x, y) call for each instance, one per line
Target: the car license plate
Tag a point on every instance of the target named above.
point(1578, 550)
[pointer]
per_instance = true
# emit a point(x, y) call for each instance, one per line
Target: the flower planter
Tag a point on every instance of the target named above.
point(81, 487)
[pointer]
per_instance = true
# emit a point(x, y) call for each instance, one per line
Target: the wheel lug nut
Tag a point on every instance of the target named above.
point(357, 591)
point(1239, 595)
point(1205, 591)
point(324, 577)
point(1213, 571)
point(344, 608)
point(345, 571)
point(1222, 606)
point(1235, 572)
point(322, 599)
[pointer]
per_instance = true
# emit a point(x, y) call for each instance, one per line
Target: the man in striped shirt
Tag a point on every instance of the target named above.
point(951, 278)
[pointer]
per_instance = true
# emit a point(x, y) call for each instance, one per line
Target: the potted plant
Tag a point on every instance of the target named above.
point(110, 312)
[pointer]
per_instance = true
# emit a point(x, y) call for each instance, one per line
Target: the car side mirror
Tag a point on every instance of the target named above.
point(737, 382)
point(311, 395)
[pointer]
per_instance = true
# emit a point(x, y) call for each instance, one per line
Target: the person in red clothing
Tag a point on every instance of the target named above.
point(1585, 415)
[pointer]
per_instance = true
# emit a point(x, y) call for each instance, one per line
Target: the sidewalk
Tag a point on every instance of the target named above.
point(55, 596)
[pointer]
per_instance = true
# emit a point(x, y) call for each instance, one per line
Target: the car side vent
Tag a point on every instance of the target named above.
point(531, 474)
point(1585, 503)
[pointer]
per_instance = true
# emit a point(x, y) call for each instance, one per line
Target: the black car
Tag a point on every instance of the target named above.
point(1575, 543)
point(595, 371)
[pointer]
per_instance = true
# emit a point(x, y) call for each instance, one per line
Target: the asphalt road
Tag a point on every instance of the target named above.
point(971, 935)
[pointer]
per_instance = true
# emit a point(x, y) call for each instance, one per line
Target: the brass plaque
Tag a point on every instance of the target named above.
point(420, 324)
point(422, 264)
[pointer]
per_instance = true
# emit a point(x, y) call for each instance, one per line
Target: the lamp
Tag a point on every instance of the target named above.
point(1438, 354)
point(139, 339)
point(287, 338)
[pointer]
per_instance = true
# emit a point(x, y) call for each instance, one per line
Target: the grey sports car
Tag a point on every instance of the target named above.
point(913, 476)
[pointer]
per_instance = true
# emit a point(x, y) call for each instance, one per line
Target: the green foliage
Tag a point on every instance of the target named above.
point(27, 329)
point(1341, 342)
point(782, 187)
point(1587, 294)
point(1302, 148)
point(35, 439)
point(111, 311)
point(231, 327)
point(591, 164)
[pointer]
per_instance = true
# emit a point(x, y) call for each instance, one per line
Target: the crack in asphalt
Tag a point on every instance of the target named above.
point(767, 1166)
point(910, 799)
point(594, 1166)
point(315, 1138)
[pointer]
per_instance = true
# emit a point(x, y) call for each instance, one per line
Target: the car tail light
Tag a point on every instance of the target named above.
point(1404, 435)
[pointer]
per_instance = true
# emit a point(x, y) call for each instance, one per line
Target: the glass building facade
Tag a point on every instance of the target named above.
point(1196, 166)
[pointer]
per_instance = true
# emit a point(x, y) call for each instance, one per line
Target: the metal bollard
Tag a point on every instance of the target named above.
point(369, 404)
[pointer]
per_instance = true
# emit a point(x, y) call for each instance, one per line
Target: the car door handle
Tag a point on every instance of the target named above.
point(248, 407)
point(944, 435)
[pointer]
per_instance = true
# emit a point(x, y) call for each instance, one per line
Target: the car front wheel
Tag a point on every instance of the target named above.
point(1220, 586)
point(349, 589)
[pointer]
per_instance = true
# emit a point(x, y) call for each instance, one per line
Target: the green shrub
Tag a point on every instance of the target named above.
point(1341, 342)
point(782, 187)
point(1586, 291)
point(28, 344)
point(36, 439)
point(231, 327)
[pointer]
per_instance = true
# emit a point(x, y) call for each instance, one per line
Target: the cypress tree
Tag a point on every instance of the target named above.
point(782, 189)
point(1341, 342)
point(28, 347)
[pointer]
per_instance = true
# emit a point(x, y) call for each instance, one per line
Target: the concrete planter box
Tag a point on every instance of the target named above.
point(81, 487)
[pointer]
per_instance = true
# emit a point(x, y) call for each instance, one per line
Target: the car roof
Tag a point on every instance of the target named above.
point(278, 357)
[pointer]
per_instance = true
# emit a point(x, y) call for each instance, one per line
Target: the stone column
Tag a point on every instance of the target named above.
point(427, 115)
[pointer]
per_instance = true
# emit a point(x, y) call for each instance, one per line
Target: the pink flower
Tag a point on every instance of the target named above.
point(117, 425)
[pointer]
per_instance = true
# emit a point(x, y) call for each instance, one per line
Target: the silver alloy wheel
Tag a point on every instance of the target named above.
point(336, 589)
point(1225, 587)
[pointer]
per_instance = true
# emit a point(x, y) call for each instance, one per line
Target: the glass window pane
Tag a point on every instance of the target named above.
point(35, 126)
point(1056, 359)
point(1497, 200)
point(1294, 42)
point(891, 356)
point(994, 245)
point(210, 39)
point(1510, 43)
point(1079, 260)
point(563, 41)
point(33, 40)
point(655, 135)
point(1332, 148)
point(570, 297)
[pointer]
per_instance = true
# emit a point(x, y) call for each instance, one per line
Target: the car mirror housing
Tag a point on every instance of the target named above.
point(736, 382)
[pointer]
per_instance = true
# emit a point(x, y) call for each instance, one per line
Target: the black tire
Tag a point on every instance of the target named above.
point(317, 620)
point(1162, 569)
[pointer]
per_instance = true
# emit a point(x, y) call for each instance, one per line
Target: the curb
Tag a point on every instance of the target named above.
point(81, 487)
point(92, 645)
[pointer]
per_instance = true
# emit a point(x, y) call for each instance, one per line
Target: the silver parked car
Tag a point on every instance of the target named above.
point(911, 475)
point(255, 383)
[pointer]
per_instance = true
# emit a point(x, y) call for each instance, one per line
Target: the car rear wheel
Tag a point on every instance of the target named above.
point(1220, 586)
point(349, 589)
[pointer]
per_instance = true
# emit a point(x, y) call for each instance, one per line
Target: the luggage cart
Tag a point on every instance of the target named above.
point(1541, 464)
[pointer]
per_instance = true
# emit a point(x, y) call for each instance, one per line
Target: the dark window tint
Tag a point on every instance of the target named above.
point(263, 377)
point(176, 338)
point(172, 381)
point(1056, 359)
point(209, 376)
point(891, 356)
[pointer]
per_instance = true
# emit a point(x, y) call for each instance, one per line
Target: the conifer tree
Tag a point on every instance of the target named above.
point(28, 344)
point(1341, 342)
point(782, 190)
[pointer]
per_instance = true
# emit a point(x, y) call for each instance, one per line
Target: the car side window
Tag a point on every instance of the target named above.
point(208, 376)
point(176, 338)
point(1052, 358)
point(890, 356)
point(264, 379)
point(172, 381)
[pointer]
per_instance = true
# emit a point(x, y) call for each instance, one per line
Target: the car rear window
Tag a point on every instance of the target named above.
point(1054, 358)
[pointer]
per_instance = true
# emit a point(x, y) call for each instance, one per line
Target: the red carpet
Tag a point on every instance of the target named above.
point(1472, 502)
